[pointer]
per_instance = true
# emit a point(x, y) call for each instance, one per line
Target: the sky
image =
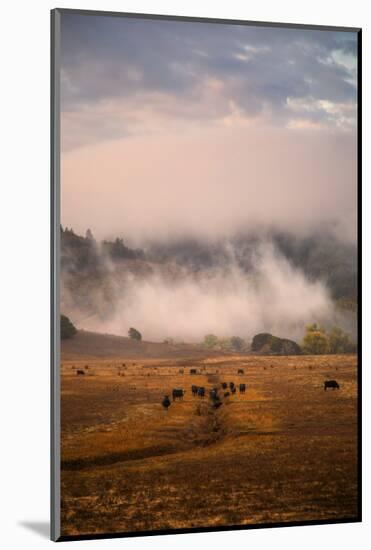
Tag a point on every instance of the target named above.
point(173, 129)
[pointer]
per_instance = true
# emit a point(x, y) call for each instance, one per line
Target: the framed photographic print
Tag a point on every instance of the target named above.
point(205, 274)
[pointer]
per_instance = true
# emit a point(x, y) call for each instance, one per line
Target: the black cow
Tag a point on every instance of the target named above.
point(224, 385)
point(331, 384)
point(231, 385)
point(193, 371)
point(240, 371)
point(166, 402)
point(194, 390)
point(201, 392)
point(233, 390)
point(242, 388)
point(80, 371)
point(214, 397)
point(214, 394)
point(178, 393)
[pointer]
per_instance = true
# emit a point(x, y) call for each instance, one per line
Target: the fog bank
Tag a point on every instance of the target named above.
point(174, 302)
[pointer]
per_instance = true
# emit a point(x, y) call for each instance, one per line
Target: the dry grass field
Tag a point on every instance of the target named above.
point(283, 451)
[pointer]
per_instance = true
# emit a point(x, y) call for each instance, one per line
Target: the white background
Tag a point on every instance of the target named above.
point(24, 246)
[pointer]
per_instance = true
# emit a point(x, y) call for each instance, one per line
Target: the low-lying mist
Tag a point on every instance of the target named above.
point(168, 300)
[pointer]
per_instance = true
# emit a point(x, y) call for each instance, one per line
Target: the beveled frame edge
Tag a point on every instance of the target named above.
point(196, 19)
point(55, 493)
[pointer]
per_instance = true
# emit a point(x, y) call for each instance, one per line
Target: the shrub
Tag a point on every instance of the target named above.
point(315, 342)
point(237, 343)
point(340, 342)
point(268, 343)
point(134, 334)
point(210, 341)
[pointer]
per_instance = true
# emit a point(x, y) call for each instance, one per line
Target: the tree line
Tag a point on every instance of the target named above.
point(317, 340)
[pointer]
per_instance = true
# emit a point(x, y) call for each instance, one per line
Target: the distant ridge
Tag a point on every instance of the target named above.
point(96, 345)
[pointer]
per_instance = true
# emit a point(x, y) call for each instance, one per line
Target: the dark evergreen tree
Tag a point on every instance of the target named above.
point(68, 330)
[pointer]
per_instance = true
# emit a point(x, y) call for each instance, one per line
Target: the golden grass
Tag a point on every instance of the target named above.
point(283, 451)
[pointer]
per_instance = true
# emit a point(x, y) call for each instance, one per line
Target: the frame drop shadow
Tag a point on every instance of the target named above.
point(41, 528)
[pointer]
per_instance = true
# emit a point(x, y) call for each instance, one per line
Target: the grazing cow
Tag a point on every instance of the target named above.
point(231, 385)
point(194, 390)
point(80, 371)
point(233, 390)
point(166, 402)
point(213, 394)
point(331, 384)
point(201, 392)
point(224, 385)
point(240, 371)
point(215, 399)
point(226, 394)
point(193, 371)
point(178, 394)
point(242, 388)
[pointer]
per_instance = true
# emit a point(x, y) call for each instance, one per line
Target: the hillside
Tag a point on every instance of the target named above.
point(91, 344)
point(320, 257)
point(107, 286)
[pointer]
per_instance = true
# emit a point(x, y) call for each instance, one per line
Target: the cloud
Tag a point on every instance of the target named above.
point(201, 73)
point(213, 183)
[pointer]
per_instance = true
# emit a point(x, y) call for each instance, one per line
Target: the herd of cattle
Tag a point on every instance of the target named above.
point(215, 394)
point(227, 389)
